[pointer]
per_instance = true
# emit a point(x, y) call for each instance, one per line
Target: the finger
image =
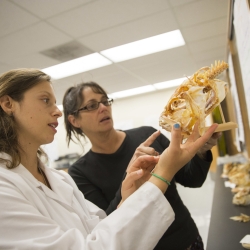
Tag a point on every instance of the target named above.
point(131, 178)
point(217, 135)
point(203, 139)
point(156, 153)
point(213, 140)
point(142, 150)
point(210, 143)
point(151, 138)
point(146, 161)
point(149, 151)
point(143, 161)
point(176, 137)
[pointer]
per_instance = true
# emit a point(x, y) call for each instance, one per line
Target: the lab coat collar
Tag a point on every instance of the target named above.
point(62, 191)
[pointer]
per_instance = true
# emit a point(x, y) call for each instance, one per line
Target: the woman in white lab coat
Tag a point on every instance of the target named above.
point(41, 208)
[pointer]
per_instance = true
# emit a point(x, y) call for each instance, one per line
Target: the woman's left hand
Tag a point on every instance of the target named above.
point(144, 149)
point(138, 174)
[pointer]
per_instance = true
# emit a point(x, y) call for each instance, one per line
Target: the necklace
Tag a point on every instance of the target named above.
point(43, 175)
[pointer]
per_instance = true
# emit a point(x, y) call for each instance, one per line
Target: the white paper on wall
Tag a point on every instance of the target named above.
point(242, 33)
point(239, 133)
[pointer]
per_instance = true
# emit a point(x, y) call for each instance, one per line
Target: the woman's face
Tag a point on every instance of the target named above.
point(99, 120)
point(36, 115)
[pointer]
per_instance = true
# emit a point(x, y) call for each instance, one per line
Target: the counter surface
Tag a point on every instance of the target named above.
point(225, 233)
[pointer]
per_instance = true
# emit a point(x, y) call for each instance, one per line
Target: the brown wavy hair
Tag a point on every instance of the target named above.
point(72, 101)
point(15, 83)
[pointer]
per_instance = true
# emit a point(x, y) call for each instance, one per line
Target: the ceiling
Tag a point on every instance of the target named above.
point(30, 29)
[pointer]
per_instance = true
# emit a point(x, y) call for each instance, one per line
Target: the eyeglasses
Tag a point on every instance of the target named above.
point(94, 105)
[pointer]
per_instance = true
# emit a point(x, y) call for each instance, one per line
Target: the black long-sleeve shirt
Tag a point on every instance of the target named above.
point(99, 177)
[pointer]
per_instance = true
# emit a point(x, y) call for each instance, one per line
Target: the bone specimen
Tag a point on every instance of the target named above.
point(239, 174)
point(241, 218)
point(195, 99)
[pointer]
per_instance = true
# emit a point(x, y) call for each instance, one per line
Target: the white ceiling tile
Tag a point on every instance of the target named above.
point(101, 15)
point(35, 38)
point(129, 32)
point(13, 18)
point(211, 55)
point(201, 11)
point(122, 79)
point(205, 30)
point(49, 8)
point(36, 60)
point(208, 44)
point(165, 58)
point(161, 72)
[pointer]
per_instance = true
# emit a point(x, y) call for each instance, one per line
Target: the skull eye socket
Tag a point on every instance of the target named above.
point(178, 104)
point(206, 89)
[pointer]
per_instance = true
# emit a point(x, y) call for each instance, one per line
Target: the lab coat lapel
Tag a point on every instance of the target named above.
point(62, 191)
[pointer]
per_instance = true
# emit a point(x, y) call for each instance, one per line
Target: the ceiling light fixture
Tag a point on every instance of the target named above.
point(131, 92)
point(77, 66)
point(148, 88)
point(145, 46)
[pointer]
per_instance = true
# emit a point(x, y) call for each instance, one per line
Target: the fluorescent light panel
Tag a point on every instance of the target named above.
point(146, 46)
point(131, 92)
point(77, 66)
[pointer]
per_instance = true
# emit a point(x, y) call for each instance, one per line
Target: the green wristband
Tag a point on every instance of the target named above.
point(161, 178)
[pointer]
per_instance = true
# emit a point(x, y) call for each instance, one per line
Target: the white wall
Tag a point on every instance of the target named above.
point(129, 112)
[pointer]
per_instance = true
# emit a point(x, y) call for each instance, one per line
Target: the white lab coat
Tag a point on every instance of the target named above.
point(33, 216)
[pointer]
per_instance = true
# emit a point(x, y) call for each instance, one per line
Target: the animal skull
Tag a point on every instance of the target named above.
point(195, 98)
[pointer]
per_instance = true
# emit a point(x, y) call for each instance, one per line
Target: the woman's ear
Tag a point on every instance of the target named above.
point(7, 104)
point(74, 121)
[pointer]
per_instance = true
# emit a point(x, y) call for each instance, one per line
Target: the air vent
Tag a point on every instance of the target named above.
point(67, 51)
